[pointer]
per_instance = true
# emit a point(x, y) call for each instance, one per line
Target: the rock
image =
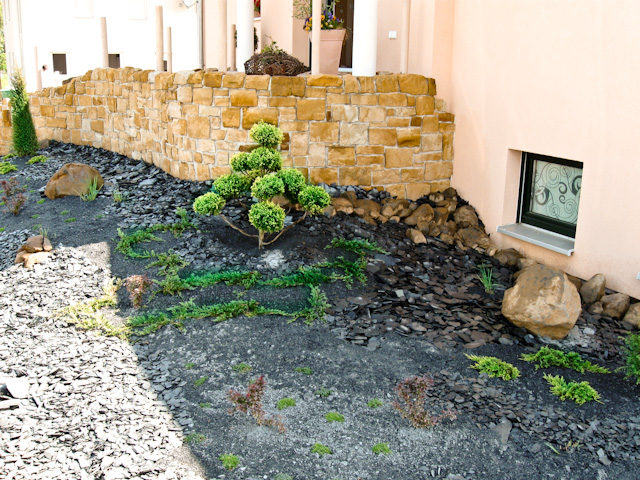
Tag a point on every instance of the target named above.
point(596, 308)
point(369, 206)
point(543, 301)
point(448, 239)
point(473, 237)
point(508, 257)
point(391, 207)
point(30, 259)
point(351, 196)
point(18, 387)
point(343, 205)
point(450, 192)
point(615, 305)
point(524, 262)
point(441, 215)
point(466, 216)
point(72, 179)
point(37, 243)
point(633, 315)
point(576, 281)
point(449, 204)
point(424, 213)
point(503, 430)
point(416, 236)
point(593, 289)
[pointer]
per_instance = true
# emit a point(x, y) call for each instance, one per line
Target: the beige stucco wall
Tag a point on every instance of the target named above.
point(560, 79)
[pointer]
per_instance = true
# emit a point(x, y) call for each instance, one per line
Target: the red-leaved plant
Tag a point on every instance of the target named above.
point(251, 403)
point(14, 197)
point(137, 286)
point(412, 393)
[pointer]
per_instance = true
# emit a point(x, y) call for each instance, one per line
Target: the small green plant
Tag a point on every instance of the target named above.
point(580, 393)
point(118, 196)
point(2, 229)
point(374, 403)
point(548, 357)
point(285, 403)
point(189, 365)
point(200, 381)
point(65, 212)
point(357, 245)
point(283, 476)
point(242, 368)
point(126, 243)
point(304, 370)
point(70, 220)
point(37, 159)
point(205, 405)
point(321, 449)
point(494, 367)
point(229, 461)
point(381, 448)
point(412, 393)
point(6, 167)
point(13, 196)
point(41, 201)
point(251, 404)
point(43, 231)
point(194, 438)
point(323, 392)
point(485, 274)
point(25, 140)
point(318, 305)
point(631, 351)
point(334, 417)
point(35, 216)
point(571, 446)
point(9, 156)
point(137, 286)
point(93, 187)
point(168, 263)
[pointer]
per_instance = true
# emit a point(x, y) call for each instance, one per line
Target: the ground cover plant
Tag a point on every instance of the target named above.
point(229, 461)
point(334, 417)
point(7, 167)
point(260, 173)
point(321, 449)
point(412, 395)
point(547, 357)
point(285, 403)
point(37, 159)
point(579, 392)
point(494, 367)
point(381, 449)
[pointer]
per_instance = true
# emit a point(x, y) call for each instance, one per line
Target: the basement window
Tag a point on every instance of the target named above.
point(548, 202)
point(114, 60)
point(60, 63)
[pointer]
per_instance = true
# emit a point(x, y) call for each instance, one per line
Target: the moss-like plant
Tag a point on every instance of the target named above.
point(25, 140)
point(548, 357)
point(321, 449)
point(580, 393)
point(323, 392)
point(304, 370)
point(189, 365)
point(374, 403)
point(260, 174)
point(6, 167)
point(334, 417)
point(194, 438)
point(204, 405)
point(200, 381)
point(285, 403)
point(242, 368)
point(494, 367)
point(37, 159)
point(381, 448)
point(229, 461)
point(631, 351)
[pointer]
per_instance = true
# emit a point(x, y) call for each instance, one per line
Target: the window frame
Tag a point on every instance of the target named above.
point(524, 200)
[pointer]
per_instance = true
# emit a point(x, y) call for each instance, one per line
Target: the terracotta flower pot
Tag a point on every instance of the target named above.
point(331, 42)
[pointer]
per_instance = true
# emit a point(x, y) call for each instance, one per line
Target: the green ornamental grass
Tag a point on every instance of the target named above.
point(304, 370)
point(200, 381)
point(374, 403)
point(242, 368)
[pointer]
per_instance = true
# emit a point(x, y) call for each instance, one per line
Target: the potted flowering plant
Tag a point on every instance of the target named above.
point(332, 33)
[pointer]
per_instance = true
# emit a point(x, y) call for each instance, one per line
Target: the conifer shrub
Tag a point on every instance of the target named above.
point(259, 174)
point(25, 140)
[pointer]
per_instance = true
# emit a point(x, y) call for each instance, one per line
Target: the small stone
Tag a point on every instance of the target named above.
point(615, 305)
point(593, 289)
point(18, 387)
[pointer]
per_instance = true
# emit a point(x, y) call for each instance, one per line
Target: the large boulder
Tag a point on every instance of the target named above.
point(593, 289)
point(543, 301)
point(72, 179)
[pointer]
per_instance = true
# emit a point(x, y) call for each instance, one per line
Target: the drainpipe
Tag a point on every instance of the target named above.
point(365, 37)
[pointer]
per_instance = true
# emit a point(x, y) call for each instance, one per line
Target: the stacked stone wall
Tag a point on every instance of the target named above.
point(386, 131)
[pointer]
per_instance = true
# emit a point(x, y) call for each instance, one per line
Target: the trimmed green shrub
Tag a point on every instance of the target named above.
point(267, 217)
point(266, 159)
point(294, 182)
point(25, 140)
point(209, 204)
point(240, 162)
point(267, 187)
point(231, 186)
point(314, 199)
point(266, 134)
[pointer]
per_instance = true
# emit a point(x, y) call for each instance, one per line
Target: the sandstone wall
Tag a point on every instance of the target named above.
point(385, 131)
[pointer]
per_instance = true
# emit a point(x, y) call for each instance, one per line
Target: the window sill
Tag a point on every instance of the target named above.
point(538, 236)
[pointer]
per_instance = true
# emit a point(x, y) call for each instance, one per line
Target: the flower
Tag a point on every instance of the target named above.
point(328, 21)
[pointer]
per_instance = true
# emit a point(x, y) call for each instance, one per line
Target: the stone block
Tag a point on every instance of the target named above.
point(233, 80)
point(203, 96)
point(323, 175)
point(244, 98)
point(337, 99)
point(385, 176)
point(315, 92)
point(408, 137)
point(185, 94)
point(259, 82)
point(398, 157)
point(364, 99)
point(446, 117)
point(45, 111)
point(431, 143)
point(299, 143)
point(370, 150)
point(198, 127)
point(370, 160)
point(425, 105)
point(432, 88)
point(373, 114)
point(447, 127)
point(311, 109)
point(382, 136)
point(213, 79)
point(417, 190)
point(341, 156)
point(327, 132)
point(413, 84)
point(410, 175)
point(254, 115)
point(351, 84)
point(96, 125)
point(342, 113)
point(282, 102)
point(393, 99)
point(438, 170)
point(294, 126)
point(397, 190)
point(430, 124)
point(447, 146)
point(386, 83)
point(354, 134)
point(324, 80)
point(61, 123)
point(366, 84)
point(163, 81)
point(355, 176)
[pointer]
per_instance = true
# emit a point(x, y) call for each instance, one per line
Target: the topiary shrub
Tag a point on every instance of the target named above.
point(25, 140)
point(259, 174)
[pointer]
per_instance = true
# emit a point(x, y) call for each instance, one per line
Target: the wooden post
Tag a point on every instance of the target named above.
point(105, 44)
point(316, 28)
point(159, 41)
point(404, 43)
point(222, 36)
point(38, 72)
point(169, 51)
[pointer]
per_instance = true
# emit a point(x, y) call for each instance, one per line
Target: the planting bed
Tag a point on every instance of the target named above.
point(156, 406)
